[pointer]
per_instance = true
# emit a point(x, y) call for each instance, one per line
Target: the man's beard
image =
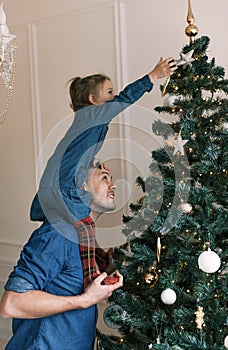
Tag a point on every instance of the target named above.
point(101, 206)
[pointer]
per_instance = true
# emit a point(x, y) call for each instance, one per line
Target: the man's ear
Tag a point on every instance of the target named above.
point(92, 99)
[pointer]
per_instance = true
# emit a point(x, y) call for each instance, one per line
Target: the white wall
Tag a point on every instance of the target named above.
point(58, 40)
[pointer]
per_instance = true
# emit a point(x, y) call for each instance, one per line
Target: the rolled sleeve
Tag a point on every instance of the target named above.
point(18, 284)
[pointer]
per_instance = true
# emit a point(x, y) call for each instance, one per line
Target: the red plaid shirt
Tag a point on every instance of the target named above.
point(91, 254)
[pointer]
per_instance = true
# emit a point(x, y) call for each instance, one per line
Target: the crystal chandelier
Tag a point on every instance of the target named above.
point(7, 63)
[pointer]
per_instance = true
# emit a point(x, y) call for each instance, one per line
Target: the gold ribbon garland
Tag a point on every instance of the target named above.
point(158, 248)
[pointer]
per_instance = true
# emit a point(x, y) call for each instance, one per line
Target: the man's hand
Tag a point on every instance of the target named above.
point(96, 291)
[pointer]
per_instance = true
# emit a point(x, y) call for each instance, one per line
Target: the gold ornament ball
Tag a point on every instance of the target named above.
point(149, 278)
point(141, 199)
point(191, 31)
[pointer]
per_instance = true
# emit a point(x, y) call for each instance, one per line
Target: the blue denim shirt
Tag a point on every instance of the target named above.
point(60, 190)
point(51, 263)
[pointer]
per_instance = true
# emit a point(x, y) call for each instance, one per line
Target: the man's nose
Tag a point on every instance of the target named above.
point(112, 186)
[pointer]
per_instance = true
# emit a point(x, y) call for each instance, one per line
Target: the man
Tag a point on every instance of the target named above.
point(45, 296)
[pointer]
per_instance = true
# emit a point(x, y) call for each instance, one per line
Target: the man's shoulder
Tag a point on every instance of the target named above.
point(60, 231)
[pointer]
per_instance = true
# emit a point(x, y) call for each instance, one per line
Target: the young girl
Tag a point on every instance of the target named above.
point(61, 192)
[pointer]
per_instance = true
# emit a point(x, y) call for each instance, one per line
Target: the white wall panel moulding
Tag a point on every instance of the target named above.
point(9, 252)
point(5, 270)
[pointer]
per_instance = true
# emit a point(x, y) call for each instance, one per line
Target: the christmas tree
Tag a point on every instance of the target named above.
point(175, 268)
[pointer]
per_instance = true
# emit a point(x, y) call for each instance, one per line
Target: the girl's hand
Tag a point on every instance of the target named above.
point(164, 68)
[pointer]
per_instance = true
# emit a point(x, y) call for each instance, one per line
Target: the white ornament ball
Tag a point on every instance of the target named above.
point(225, 126)
point(209, 261)
point(169, 101)
point(168, 296)
point(186, 207)
point(226, 342)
